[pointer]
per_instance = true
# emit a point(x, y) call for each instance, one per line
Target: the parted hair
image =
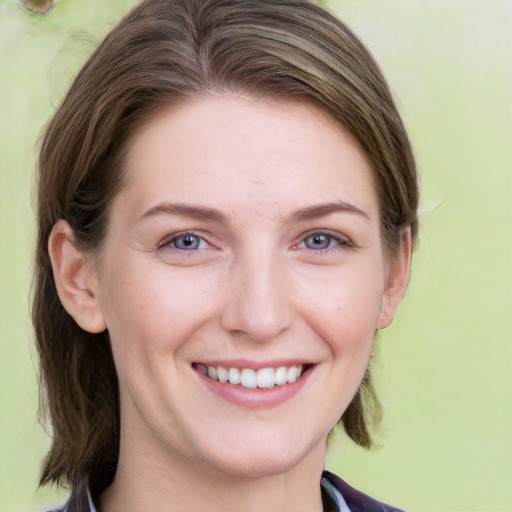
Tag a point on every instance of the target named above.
point(162, 53)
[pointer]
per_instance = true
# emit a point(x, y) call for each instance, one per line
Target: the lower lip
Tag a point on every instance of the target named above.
point(255, 398)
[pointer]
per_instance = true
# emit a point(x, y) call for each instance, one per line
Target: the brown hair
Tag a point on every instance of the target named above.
point(164, 52)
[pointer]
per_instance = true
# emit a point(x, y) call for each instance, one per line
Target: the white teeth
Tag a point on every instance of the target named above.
point(222, 374)
point(249, 378)
point(281, 376)
point(266, 378)
point(293, 373)
point(234, 376)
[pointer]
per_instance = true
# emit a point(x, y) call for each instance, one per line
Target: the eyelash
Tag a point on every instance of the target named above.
point(170, 241)
point(332, 236)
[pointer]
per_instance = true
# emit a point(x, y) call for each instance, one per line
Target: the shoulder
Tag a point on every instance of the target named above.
point(356, 500)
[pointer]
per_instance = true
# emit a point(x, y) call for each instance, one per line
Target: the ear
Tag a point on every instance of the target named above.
point(75, 279)
point(397, 278)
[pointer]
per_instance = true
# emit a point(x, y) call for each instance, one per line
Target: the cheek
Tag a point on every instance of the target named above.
point(345, 308)
point(152, 311)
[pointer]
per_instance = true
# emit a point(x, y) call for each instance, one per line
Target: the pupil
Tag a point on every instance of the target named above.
point(186, 242)
point(318, 241)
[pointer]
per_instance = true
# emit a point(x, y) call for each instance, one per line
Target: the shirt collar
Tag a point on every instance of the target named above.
point(92, 508)
point(335, 494)
point(330, 489)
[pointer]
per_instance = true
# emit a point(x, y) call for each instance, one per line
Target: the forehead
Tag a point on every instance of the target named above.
point(242, 153)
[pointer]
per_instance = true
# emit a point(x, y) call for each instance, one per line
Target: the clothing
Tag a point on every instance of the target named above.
point(340, 496)
point(355, 500)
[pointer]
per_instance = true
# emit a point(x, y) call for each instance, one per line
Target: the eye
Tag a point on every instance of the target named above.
point(185, 242)
point(319, 241)
point(323, 240)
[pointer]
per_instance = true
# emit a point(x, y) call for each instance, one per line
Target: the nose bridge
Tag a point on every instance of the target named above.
point(257, 299)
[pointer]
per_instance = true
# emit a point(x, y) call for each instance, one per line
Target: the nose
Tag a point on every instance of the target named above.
point(258, 299)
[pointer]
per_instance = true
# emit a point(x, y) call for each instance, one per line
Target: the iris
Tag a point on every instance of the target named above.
point(318, 241)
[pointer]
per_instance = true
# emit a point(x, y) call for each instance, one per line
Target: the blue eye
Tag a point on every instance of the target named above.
point(188, 242)
point(319, 241)
point(325, 240)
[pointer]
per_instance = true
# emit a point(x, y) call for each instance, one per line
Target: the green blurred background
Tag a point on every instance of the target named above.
point(443, 369)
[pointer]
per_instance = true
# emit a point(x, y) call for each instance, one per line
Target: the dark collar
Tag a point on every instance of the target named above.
point(81, 501)
point(356, 500)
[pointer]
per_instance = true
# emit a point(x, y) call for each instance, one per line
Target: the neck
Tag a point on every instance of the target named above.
point(168, 482)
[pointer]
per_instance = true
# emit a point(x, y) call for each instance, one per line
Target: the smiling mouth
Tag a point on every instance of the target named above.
point(264, 378)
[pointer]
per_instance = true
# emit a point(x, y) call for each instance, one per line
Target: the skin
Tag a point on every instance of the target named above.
point(259, 287)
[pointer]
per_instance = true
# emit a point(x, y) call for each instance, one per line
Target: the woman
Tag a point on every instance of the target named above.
point(226, 211)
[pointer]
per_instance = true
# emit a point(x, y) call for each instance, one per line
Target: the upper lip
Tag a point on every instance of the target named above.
point(255, 365)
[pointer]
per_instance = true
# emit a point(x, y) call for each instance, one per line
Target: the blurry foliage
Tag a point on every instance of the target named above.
point(38, 7)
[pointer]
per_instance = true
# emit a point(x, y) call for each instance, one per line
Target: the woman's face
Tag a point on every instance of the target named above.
point(246, 245)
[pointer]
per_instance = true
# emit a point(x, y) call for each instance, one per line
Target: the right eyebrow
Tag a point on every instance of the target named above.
point(185, 210)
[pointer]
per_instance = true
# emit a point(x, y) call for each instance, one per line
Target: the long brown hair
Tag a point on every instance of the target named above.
point(164, 52)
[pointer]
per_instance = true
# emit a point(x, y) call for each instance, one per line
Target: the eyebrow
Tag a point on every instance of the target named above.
point(207, 213)
point(185, 210)
point(322, 210)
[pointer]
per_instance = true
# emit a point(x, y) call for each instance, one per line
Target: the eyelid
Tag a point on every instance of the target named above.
point(342, 239)
point(168, 239)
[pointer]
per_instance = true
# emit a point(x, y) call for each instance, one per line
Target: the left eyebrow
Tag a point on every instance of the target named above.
point(322, 210)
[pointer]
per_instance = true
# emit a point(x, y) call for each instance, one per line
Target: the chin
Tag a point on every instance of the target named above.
point(257, 461)
point(260, 467)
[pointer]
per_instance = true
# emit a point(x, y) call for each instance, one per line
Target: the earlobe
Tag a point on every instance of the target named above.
point(75, 279)
point(396, 281)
